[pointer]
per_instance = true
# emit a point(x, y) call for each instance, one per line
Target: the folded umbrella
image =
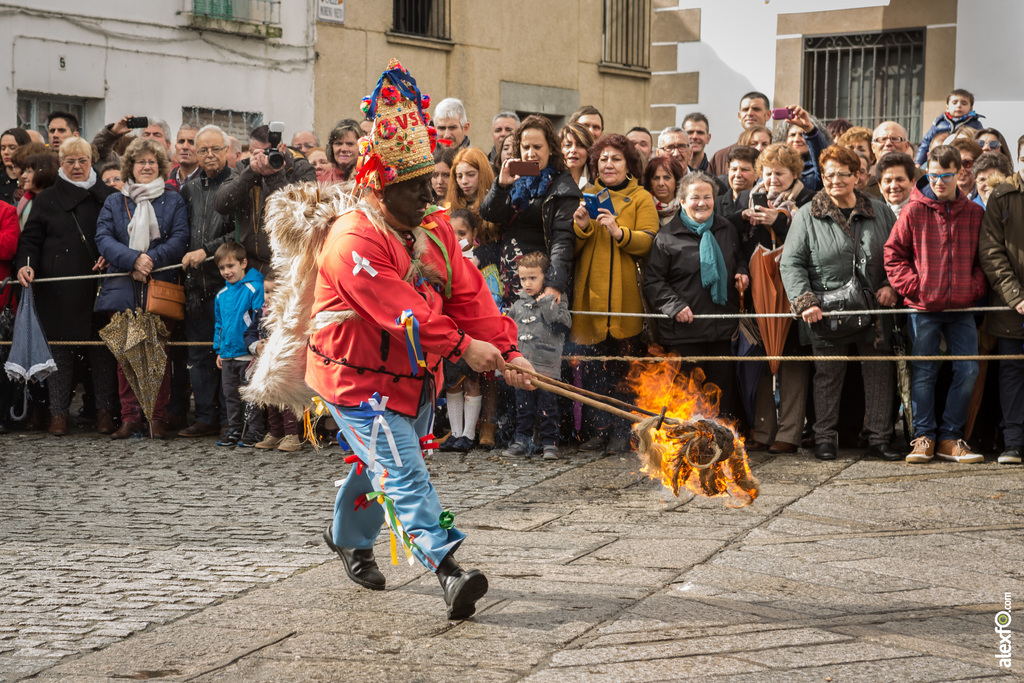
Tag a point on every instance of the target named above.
point(137, 339)
point(769, 296)
point(30, 359)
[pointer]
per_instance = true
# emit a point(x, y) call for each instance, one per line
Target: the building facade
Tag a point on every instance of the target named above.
point(864, 60)
point(231, 62)
point(528, 56)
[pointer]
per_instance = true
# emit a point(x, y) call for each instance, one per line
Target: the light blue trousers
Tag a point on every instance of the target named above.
point(416, 503)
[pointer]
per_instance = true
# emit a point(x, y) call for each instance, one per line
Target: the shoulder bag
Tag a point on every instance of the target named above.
point(852, 296)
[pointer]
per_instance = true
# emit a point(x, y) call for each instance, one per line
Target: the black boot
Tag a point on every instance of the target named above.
point(462, 588)
point(359, 563)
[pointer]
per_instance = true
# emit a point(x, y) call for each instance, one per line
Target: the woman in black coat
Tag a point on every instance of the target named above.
point(674, 284)
point(58, 240)
point(533, 213)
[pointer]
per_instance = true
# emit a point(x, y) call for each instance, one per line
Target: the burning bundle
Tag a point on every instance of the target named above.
point(688, 449)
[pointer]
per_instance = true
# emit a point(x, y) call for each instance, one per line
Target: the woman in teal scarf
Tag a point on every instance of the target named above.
point(695, 268)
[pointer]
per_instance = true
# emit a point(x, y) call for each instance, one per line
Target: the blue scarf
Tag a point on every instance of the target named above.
point(531, 187)
point(712, 264)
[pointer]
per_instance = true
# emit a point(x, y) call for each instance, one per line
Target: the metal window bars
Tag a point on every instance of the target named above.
point(237, 124)
point(867, 78)
point(627, 34)
point(426, 18)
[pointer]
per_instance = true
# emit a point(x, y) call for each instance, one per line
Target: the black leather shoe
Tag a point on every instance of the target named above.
point(885, 452)
point(359, 563)
point(462, 588)
point(463, 444)
point(825, 451)
point(596, 443)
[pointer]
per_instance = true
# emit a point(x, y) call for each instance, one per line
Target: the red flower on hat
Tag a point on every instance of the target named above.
point(389, 94)
point(404, 144)
point(425, 100)
point(390, 174)
point(365, 105)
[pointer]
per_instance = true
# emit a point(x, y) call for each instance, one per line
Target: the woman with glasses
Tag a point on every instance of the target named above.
point(58, 240)
point(823, 253)
point(141, 229)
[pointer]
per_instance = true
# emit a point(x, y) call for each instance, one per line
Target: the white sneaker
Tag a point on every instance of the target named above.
point(957, 451)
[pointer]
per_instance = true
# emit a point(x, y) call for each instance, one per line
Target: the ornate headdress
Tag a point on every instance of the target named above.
point(401, 145)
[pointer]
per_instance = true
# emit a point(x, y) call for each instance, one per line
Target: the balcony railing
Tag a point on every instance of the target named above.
point(248, 17)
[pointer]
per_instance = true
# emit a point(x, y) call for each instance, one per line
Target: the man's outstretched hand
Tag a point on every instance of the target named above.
point(483, 356)
point(516, 379)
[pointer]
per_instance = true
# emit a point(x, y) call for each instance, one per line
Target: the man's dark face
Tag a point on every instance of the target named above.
point(405, 203)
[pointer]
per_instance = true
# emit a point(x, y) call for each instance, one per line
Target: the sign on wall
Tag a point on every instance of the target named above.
point(332, 11)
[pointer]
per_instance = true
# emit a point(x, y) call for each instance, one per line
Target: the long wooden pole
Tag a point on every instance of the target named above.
point(542, 383)
point(583, 392)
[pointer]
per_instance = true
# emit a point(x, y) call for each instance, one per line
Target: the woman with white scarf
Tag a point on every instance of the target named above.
point(141, 229)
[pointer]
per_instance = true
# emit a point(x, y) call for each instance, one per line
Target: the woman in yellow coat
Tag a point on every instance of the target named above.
point(609, 252)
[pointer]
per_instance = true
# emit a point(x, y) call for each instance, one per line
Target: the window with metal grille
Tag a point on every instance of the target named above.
point(627, 34)
point(237, 124)
point(866, 78)
point(426, 18)
point(33, 108)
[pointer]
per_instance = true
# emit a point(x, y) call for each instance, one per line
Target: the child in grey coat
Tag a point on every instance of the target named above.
point(542, 325)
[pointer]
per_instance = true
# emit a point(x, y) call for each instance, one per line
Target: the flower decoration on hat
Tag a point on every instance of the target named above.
point(397, 149)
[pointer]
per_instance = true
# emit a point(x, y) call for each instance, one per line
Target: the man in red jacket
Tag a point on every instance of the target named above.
point(394, 297)
point(931, 258)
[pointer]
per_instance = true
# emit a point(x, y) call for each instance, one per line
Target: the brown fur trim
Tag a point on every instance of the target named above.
point(804, 301)
point(298, 220)
point(822, 207)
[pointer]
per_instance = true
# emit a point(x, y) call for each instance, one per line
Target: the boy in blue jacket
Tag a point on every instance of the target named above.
point(234, 307)
point(959, 114)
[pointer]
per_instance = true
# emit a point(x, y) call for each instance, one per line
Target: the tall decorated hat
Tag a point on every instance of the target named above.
point(401, 145)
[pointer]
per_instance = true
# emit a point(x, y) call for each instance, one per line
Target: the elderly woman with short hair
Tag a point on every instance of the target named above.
point(59, 240)
point(822, 253)
point(140, 230)
point(696, 268)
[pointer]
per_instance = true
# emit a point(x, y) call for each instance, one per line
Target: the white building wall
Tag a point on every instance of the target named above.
point(990, 62)
point(141, 58)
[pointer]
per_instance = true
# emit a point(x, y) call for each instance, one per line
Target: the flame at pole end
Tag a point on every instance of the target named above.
point(695, 449)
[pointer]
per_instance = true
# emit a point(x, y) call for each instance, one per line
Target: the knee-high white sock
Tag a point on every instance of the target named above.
point(455, 407)
point(473, 404)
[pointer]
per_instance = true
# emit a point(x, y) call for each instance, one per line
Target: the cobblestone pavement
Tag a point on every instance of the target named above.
point(183, 561)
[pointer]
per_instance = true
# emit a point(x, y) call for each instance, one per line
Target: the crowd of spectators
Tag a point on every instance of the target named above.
point(933, 227)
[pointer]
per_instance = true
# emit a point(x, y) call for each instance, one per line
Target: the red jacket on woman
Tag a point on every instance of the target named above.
point(364, 285)
point(9, 232)
point(931, 256)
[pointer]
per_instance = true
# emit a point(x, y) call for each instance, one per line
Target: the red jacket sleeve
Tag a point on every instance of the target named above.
point(899, 256)
point(471, 305)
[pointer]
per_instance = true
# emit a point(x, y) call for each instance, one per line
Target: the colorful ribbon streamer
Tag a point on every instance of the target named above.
point(412, 340)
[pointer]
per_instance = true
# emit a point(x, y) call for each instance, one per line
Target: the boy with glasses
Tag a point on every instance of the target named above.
point(931, 259)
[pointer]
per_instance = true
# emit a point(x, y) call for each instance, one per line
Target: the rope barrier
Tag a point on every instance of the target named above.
point(727, 316)
point(668, 359)
point(100, 276)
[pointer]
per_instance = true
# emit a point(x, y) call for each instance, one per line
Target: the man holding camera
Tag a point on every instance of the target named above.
point(271, 166)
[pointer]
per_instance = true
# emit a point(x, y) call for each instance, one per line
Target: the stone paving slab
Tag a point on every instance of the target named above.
point(183, 561)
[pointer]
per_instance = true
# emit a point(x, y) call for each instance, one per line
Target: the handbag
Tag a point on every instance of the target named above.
point(852, 296)
point(166, 299)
